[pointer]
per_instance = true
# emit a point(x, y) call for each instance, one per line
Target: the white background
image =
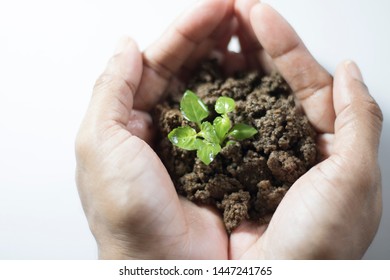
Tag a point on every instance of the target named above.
point(51, 52)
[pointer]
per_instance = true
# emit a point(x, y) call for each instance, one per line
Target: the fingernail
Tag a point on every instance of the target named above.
point(353, 70)
point(121, 45)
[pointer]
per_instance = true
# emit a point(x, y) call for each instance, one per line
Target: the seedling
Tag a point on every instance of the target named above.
point(209, 138)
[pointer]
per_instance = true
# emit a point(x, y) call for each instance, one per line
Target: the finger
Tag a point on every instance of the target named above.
point(324, 146)
point(311, 84)
point(166, 56)
point(112, 98)
point(217, 42)
point(111, 101)
point(225, 34)
point(141, 125)
point(250, 45)
point(358, 117)
point(358, 127)
point(233, 63)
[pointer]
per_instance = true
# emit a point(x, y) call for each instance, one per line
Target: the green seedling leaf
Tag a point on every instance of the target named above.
point(192, 108)
point(224, 105)
point(242, 131)
point(207, 142)
point(222, 126)
point(184, 137)
point(208, 132)
point(208, 151)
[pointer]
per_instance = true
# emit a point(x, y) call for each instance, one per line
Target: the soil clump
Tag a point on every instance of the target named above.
point(248, 179)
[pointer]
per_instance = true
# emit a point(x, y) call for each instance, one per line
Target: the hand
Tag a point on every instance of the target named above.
point(128, 197)
point(332, 211)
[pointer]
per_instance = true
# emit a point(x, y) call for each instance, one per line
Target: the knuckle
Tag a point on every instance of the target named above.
point(113, 82)
point(108, 81)
point(374, 109)
point(368, 107)
point(157, 67)
point(305, 85)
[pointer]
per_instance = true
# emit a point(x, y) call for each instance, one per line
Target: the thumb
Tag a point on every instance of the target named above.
point(112, 98)
point(359, 119)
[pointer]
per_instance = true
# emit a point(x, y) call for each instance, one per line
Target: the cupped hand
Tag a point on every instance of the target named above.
point(129, 199)
point(332, 211)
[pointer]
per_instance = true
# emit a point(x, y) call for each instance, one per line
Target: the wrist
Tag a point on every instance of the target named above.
point(113, 252)
point(110, 248)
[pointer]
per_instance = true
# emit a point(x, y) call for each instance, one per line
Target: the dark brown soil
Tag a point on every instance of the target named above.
point(246, 180)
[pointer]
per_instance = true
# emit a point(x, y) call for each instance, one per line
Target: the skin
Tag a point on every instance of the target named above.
point(333, 211)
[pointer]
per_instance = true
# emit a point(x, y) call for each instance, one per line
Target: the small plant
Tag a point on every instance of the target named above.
point(209, 139)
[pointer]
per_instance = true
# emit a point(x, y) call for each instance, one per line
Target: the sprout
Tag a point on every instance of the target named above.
point(210, 137)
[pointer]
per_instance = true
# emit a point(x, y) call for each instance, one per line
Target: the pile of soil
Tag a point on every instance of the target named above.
point(248, 179)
